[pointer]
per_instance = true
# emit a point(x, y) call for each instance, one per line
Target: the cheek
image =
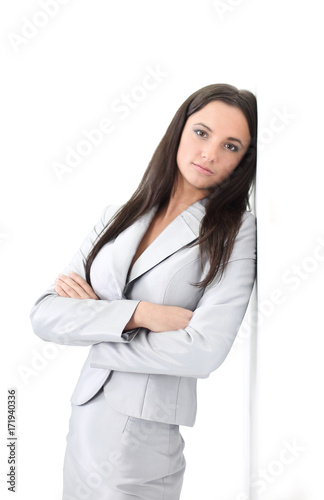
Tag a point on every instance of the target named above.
point(230, 161)
point(228, 166)
point(187, 144)
point(182, 153)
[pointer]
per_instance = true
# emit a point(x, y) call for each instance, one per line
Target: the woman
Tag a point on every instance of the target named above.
point(159, 289)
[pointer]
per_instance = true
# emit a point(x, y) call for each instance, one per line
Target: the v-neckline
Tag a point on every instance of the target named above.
point(133, 262)
point(192, 224)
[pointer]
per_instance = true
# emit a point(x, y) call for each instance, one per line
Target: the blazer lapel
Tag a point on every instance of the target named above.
point(125, 246)
point(182, 231)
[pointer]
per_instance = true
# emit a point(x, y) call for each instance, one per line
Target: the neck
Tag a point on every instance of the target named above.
point(180, 199)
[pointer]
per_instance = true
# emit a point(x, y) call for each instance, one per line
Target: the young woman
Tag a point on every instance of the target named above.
point(159, 288)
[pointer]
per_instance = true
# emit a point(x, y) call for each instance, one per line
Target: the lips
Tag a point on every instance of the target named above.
point(202, 170)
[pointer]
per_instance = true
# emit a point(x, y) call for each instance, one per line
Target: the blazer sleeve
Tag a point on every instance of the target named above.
point(83, 322)
point(203, 345)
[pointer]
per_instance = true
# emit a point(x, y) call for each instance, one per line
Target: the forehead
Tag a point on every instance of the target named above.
point(221, 117)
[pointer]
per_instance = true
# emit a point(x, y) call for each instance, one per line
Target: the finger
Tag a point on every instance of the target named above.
point(69, 287)
point(66, 291)
point(59, 290)
point(74, 289)
point(83, 284)
point(73, 284)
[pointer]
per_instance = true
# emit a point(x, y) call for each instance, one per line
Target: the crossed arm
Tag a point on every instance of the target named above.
point(194, 349)
point(192, 343)
point(154, 317)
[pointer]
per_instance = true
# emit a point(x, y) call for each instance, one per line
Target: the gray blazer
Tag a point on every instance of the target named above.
point(151, 375)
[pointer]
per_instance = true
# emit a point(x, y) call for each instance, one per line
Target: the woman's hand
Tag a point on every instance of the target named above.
point(74, 287)
point(159, 318)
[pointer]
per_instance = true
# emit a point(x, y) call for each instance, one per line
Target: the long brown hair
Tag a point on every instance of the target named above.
point(227, 203)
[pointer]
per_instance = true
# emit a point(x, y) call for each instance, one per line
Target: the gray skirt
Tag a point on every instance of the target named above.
point(112, 456)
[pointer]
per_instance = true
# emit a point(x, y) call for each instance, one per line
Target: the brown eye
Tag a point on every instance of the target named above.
point(201, 133)
point(231, 147)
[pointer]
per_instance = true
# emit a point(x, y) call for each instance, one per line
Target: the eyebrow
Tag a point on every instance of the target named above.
point(234, 139)
point(228, 138)
point(210, 130)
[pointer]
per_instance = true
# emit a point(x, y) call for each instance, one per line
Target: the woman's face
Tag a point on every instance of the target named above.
point(212, 144)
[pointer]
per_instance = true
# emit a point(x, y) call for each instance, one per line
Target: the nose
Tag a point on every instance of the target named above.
point(209, 153)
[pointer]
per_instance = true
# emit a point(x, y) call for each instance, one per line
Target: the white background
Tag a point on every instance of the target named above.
point(260, 415)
